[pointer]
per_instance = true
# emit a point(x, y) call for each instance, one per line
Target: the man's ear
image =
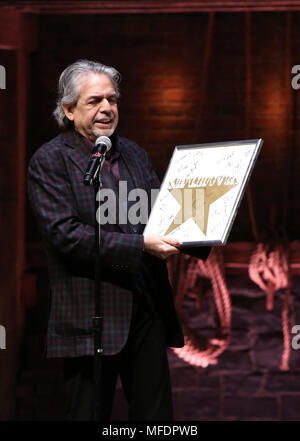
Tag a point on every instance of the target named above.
point(68, 109)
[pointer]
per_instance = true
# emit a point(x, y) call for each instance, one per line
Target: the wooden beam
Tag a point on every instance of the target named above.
point(17, 30)
point(164, 6)
point(9, 30)
point(236, 256)
point(204, 74)
point(18, 34)
point(248, 113)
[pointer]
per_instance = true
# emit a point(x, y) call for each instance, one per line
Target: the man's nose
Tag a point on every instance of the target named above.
point(105, 105)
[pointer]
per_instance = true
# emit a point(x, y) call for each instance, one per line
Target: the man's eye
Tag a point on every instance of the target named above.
point(111, 100)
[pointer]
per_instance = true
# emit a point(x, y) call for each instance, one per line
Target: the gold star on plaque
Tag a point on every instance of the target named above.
point(195, 203)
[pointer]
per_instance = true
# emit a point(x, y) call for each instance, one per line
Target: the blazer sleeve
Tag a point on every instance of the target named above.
point(53, 204)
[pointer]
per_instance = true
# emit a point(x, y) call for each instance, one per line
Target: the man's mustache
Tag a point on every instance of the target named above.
point(107, 118)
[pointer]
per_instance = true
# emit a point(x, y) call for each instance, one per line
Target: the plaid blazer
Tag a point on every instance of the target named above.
point(64, 208)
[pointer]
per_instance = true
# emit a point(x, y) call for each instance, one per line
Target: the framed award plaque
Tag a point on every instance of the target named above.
point(202, 190)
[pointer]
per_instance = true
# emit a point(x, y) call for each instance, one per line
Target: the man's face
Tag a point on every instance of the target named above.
point(96, 111)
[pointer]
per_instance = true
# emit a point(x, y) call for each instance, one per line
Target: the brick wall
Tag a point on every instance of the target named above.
point(247, 382)
point(168, 100)
point(161, 58)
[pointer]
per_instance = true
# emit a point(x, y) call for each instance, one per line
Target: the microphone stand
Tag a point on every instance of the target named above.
point(92, 177)
point(98, 318)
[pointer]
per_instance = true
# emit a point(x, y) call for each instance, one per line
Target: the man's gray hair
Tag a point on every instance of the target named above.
point(69, 85)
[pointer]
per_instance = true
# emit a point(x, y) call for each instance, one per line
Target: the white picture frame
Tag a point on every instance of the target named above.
point(202, 190)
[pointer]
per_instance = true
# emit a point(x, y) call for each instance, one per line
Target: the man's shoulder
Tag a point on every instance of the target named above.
point(132, 145)
point(53, 146)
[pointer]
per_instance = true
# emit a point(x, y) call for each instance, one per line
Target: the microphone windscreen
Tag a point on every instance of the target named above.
point(103, 140)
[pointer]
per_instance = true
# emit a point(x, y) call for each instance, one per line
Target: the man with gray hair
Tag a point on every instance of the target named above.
point(140, 320)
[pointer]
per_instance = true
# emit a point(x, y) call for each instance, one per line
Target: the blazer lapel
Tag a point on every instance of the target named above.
point(79, 155)
point(78, 152)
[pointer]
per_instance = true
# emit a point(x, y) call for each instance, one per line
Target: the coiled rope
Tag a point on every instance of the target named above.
point(200, 351)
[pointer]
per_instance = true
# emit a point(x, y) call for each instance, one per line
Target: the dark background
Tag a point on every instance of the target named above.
point(188, 76)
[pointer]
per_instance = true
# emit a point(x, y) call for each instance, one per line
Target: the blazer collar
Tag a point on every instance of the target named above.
point(77, 151)
point(79, 155)
point(80, 149)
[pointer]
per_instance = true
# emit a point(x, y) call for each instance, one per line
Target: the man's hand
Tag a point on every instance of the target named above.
point(160, 246)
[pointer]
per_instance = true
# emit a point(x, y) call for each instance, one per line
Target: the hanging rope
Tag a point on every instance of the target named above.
point(199, 350)
point(286, 329)
point(269, 269)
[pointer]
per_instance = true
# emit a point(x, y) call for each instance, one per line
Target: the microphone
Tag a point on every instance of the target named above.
point(102, 145)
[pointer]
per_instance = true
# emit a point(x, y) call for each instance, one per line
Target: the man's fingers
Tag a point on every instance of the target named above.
point(161, 246)
point(171, 241)
point(168, 250)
